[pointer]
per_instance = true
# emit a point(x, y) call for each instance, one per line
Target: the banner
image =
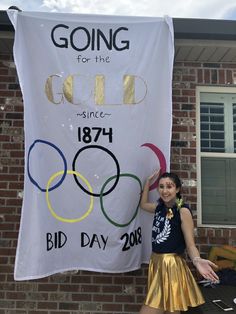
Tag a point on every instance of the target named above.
point(97, 118)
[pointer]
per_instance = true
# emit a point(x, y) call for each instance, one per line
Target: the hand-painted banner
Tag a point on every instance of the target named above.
point(98, 118)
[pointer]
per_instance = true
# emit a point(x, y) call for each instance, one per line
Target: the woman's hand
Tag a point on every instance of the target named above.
point(153, 176)
point(144, 203)
point(205, 268)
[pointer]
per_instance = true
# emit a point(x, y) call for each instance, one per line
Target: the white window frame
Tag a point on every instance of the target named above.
point(199, 90)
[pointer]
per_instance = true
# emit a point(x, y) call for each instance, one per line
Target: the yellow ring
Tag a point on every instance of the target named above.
point(49, 204)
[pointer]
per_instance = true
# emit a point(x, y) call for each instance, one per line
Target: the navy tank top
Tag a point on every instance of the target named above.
point(167, 235)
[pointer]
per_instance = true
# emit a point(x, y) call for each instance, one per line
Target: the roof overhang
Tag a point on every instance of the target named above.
point(205, 40)
point(208, 51)
point(196, 40)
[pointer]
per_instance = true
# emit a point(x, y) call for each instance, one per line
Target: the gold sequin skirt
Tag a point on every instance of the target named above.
point(171, 285)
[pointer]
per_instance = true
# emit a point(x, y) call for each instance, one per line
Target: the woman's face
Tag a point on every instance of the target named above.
point(167, 190)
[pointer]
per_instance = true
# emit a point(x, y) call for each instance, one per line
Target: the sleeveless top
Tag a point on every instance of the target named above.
point(167, 235)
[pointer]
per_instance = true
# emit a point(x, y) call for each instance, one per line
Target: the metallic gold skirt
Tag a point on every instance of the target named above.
point(171, 285)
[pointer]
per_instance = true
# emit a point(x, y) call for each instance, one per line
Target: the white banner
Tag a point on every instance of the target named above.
point(98, 118)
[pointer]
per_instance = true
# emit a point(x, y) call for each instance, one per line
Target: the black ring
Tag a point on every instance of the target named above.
point(117, 167)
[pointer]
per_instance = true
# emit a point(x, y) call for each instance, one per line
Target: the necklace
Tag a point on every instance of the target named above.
point(179, 203)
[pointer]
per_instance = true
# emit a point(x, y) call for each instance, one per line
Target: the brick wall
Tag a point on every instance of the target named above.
point(183, 148)
point(89, 292)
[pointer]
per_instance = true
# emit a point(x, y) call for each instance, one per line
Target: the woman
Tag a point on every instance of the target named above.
point(171, 285)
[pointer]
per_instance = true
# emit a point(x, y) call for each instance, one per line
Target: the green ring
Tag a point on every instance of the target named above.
point(101, 201)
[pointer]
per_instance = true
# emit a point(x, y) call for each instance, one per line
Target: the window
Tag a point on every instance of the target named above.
point(217, 157)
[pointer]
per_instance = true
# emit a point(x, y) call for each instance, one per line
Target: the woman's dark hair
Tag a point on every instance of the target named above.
point(174, 178)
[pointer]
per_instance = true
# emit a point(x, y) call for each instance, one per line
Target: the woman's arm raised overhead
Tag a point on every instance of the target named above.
point(144, 203)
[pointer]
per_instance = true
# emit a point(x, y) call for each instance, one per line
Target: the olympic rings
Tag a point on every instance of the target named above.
point(89, 190)
point(101, 200)
point(49, 204)
point(117, 176)
point(64, 161)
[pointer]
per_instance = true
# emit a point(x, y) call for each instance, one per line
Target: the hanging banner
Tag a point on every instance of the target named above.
point(97, 118)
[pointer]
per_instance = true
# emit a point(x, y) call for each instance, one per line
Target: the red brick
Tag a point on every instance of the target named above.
point(17, 154)
point(229, 78)
point(132, 308)
point(207, 76)
point(10, 235)
point(188, 151)
point(4, 138)
point(123, 280)
point(7, 193)
point(221, 77)
point(6, 93)
point(180, 99)
point(3, 72)
point(6, 226)
point(11, 146)
point(200, 76)
point(180, 128)
point(59, 312)
point(102, 280)
point(188, 78)
point(37, 312)
point(81, 279)
point(103, 298)
point(83, 297)
point(68, 306)
point(112, 307)
point(123, 298)
point(47, 287)
point(47, 305)
point(14, 202)
point(26, 305)
point(188, 92)
point(69, 287)
point(90, 288)
point(3, 185)
point(16, 295)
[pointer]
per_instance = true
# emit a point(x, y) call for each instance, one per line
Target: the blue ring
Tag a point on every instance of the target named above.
point(64, 161)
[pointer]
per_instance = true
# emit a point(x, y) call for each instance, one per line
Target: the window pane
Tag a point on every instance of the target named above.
point(217, 144)
point(204, 135)
point(218, 179)
point(217, 127)
point(217, 136)
point(232, 191)
point(218, 190)
point(212, 127)
point(205, 145)
point(217, 119)
point(204, 126)
point(234, 126)
point(203, 109)
point(204, 118)
point(218, 109)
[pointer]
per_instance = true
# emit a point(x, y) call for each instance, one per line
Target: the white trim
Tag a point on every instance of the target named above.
point(199, 90)
point(205, 43)
point(198, 157)
point(218, 155)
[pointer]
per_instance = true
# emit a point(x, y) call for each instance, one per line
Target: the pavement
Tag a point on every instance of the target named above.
point(216, 292)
